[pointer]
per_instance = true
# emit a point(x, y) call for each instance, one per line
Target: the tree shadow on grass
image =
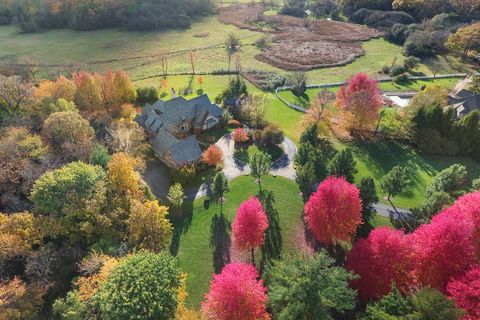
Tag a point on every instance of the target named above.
point(380, 156)
point(220, 241)
point(272, 248)
point(181, 222)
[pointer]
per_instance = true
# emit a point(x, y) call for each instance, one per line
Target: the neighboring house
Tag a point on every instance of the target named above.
point(172, 126)
point(464, 102)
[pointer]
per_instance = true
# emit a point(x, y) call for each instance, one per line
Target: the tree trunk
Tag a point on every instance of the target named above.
point(253, 256)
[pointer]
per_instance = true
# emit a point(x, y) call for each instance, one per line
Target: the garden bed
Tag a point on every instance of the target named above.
point(245, 152)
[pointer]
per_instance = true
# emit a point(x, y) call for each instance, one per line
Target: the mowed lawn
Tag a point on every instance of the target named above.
point(194, 251)
point(376, 158)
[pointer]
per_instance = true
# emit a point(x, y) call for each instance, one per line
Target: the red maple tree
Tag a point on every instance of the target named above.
point(334, 211)
point(249, 225)
point(465, 291)
point(443, 248)
point(236, 294)
point(469, 207)
point(382, 259)
point(360, 103)
point(213, 156)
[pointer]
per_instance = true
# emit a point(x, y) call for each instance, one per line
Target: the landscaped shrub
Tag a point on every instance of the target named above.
point(240, 135)
point(386, 70)
point(401, 78)
point(147, 95)
point(185, 175)
point(397, 33)
point(272, 135)
point(234, 123)
point(381, 19)
point(397, 69)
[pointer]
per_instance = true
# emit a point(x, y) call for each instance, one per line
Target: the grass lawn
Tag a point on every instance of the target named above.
point(380, 221)
point(193, 229)
point(213, 85)
point(376, 158)
point(244, 155)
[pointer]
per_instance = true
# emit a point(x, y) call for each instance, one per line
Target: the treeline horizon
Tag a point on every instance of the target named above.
point(141, 15)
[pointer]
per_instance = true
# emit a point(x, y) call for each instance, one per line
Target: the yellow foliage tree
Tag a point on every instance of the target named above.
point(62, 88)
point(183, 313)
point(18, 233)
point(88, 285)
point(19, 301)
point(122, 175)
point(149, 227)
point(465, 39)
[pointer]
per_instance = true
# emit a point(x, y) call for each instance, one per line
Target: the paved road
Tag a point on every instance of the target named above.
point(384, 209)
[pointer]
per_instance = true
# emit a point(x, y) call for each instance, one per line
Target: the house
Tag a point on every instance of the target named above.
point(464, 102)
point(172, 127)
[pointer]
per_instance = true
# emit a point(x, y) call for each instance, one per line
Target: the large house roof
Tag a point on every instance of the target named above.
point(164, 117)
point(464, 102)
point(179, 110)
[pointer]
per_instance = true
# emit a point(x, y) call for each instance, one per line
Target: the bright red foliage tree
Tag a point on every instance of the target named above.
point(213, 156)
point(466, 293)
point(240, 135)
point(236, 294)
point(249, 225)
point(385, 257)
point(468, 206)
point(360, 102)
point(334, 212)
point(443, 248)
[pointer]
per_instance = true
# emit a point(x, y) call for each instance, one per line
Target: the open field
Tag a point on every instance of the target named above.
point(193, 230)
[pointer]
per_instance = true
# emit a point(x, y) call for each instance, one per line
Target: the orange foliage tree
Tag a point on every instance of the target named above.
point(62, 88)
point(213, 156)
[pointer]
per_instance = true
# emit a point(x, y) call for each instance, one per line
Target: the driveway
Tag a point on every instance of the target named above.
point(234, 168)
point(157, 176)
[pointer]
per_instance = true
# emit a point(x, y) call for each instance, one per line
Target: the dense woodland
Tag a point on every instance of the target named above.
point(38, 15)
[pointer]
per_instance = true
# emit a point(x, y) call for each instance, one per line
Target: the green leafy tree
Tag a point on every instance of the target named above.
point(343, 165)
point(57, 189)
point(143, 286)
point(176, 196)
point(220, 187)
point(368, 194)
point(449, 180)
point(310, 135)
point(100, 156)
point(426, 304)
point(309, 287)
point(260, 165)
point(395, 182)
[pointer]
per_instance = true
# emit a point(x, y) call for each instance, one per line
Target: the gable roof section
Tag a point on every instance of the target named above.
point(186, 151)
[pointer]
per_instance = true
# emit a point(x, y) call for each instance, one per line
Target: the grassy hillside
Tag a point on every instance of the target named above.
point(193, 229)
